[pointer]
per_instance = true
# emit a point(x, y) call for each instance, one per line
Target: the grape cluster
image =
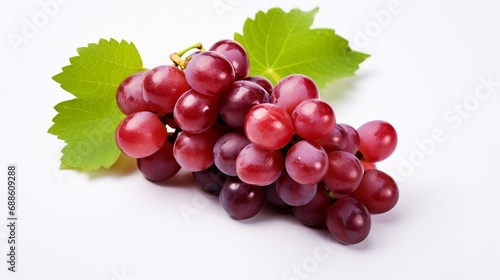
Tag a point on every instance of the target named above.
point(249, 142)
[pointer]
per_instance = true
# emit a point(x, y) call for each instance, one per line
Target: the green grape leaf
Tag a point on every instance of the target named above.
point(279, 44)
point(88, 123)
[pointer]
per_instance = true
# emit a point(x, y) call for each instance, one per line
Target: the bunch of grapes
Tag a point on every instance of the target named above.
point(249, 142)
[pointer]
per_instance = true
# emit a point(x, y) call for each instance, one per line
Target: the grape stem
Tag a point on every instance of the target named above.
point(177, 57)
point(330, 194)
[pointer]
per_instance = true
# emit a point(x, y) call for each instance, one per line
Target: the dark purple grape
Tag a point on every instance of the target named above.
point(241, 200)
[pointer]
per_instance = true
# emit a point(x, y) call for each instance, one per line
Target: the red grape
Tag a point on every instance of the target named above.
point(348, 220)
point(140, 134)
point(377, 191)
point(377, 140)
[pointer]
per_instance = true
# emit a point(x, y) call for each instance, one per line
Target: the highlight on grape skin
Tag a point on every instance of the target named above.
point(251, 143)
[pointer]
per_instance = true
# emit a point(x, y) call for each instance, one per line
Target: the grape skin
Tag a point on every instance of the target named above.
point(195, 112)
point(209, 73)
point(129, 94)
point(263, 82)
point(335, 140)
point(352, 142)
point(377, 191)
point(313, 213)
point(345, 172)
point(306, 162)
point(194, 151)
point(268, 126)
point(161, 165)
point(378, 139)
point(258, 166)
point(293, 193)
point(313, 119)
point(140, 134)
point(236, 54)
point(227, 149)
point(162, 86)
point(241, 200)
point(348, 220)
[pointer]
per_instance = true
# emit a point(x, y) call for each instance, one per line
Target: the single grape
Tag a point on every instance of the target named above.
point(241, 200)
point(162, 86)
point(313, 213)
point(348, 220)
point(306, 162)
point(210, 180)
point(293, 89)
point(313, 119)
point(161, 165)
point(193, 152)
point(140, 134)
point(129, 94)
point(258, 166)
point(263, 82)
point(238, 100)
point(377, 140)
point(271, 195)
point(344, 172)
point(236, 54)
point(352, 143)
point(195, 112)
point(268, 126)
point(293, 193)
point(335, 140)
point(209, 73)
point(227, 149)
point(377, 191)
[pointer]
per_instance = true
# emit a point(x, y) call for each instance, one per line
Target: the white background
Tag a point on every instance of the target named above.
point(427, 61)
